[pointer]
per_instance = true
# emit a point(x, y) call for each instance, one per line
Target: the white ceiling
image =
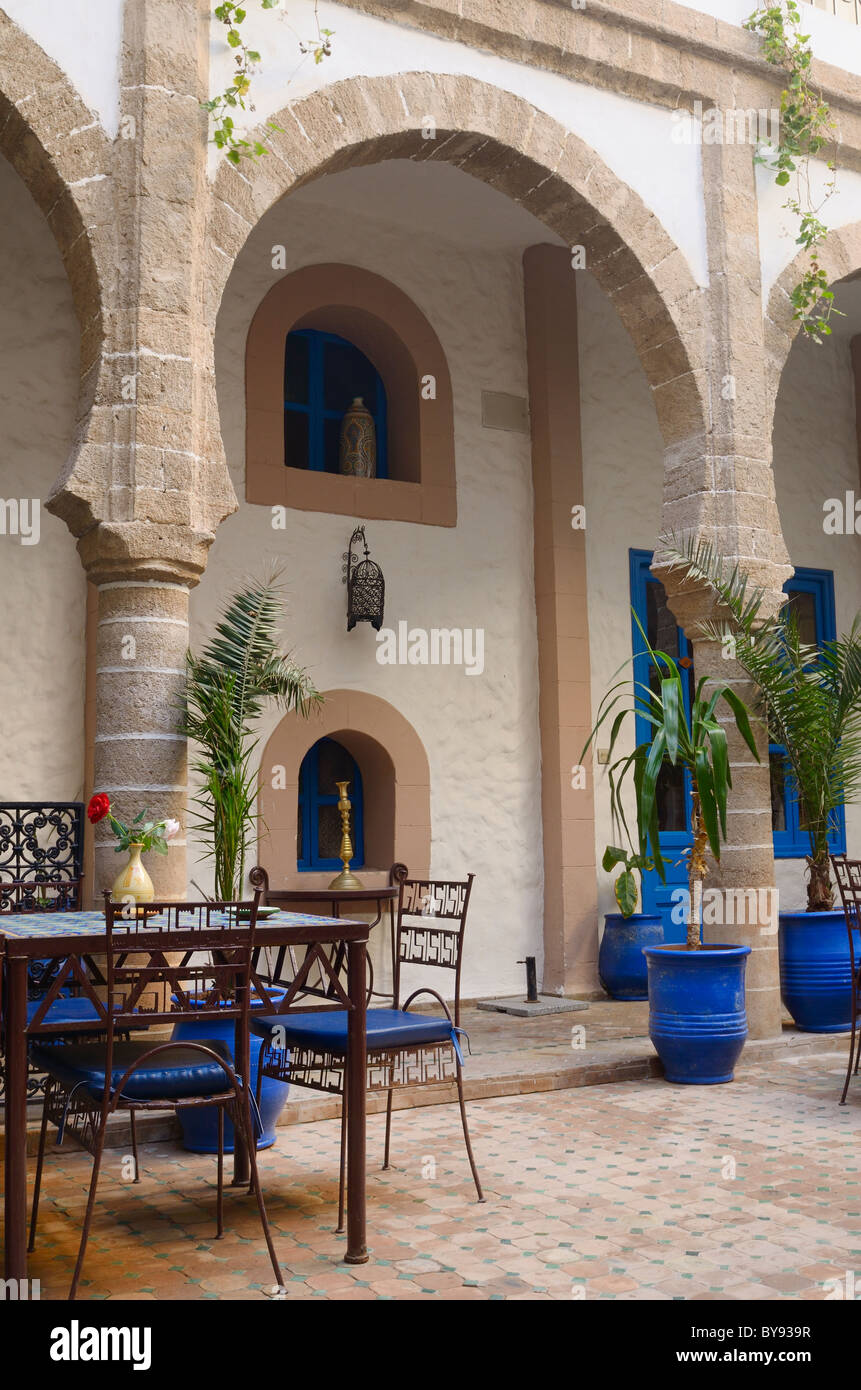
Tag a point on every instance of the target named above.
point(431, 197)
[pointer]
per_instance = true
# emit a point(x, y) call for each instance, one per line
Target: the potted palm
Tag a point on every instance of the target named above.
point(621, 963)
point(227, 686)
point(811, 698)
point(697, 1018)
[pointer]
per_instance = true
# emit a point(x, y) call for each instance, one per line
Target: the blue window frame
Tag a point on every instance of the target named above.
point(319, 822)
point(648, 601)
point(322, 375)
point(811, 593)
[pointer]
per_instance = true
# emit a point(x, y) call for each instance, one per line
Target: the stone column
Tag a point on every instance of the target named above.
point(139, 755)
point(719, 487)
point(740, 898)
point(564, 701)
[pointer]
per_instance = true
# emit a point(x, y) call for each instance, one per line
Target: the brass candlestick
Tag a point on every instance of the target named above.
point(345, 879)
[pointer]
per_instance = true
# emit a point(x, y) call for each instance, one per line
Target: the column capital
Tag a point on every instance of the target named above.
point(115, 551)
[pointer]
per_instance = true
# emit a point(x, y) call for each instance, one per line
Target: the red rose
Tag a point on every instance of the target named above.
point(98, 808)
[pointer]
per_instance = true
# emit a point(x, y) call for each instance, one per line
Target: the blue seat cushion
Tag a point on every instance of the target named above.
point(65, 1010)
point(176, 1074)
point(328, 1031)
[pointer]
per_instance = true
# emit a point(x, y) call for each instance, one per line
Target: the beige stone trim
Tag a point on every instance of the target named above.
point(395, 780)
point(391, 330)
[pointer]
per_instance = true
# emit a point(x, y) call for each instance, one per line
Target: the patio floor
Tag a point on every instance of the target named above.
point(635, 1190)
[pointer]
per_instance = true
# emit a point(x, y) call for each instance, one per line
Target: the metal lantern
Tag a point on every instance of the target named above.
point(366, 587)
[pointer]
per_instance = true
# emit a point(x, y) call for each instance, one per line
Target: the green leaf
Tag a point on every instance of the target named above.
point(613, 856)
point(625, 889)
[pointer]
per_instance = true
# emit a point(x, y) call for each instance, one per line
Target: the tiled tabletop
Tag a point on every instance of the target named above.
point(30, 925)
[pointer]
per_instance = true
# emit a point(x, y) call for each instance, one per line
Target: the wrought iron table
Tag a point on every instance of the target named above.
point(73, 936)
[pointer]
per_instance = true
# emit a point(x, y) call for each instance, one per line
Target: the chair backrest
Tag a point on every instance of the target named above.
point(169, 958)
point(430, 926)
point(40, 895)
point(848, 875)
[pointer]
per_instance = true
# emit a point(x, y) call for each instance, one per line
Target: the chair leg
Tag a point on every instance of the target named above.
point(342, 1170)
point(99, 1149)
point(137, 1176)
point(388, 1128)
point(851, 1047)
point(243, 1119)
point(469, 1152)
point(37, 1187)
point(219, 1204)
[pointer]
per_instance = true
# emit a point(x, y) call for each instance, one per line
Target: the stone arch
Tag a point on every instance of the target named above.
point(391, 330)
point(396, 777)
point(509, 144)
point(62, 154)
point(840, 258)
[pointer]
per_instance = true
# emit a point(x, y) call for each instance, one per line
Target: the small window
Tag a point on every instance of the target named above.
point(810, 594)
point(319, 821)
point(322, 376)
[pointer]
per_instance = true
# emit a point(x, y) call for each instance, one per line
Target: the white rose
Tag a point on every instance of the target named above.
point(171, 829)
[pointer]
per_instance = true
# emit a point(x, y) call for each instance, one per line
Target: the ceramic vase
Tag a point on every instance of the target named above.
point(358, 450)
point(133, 882)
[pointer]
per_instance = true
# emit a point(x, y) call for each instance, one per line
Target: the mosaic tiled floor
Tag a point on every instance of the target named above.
point(637, 1190)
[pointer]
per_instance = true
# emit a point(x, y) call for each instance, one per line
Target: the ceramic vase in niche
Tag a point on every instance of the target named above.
point(358, 450)
point(133, 883)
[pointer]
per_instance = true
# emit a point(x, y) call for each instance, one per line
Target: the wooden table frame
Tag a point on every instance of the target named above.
point(288, 929)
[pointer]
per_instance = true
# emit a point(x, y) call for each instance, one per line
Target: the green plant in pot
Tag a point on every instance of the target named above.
point(697, 1017)
point(811, 699)
point(621, 963)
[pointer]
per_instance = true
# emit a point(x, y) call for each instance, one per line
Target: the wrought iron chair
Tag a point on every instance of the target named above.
point(404, 1048)
point(848, 875)
point(41, 865)
point(211, 945)
point(37, 895)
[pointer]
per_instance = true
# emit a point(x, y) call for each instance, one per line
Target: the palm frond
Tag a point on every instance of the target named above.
point(226, 688)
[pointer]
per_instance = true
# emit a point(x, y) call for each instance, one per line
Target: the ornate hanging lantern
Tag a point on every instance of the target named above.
point(366, 587)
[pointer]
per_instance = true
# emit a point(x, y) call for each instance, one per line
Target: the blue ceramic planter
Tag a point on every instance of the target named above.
point(815, 970)
point(621, 963)
point(697, 1018)
point(200, 1123)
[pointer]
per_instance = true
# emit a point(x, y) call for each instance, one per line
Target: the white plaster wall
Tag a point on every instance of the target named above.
point(815, 458)
point(480, 732)
point(622, 482)
point(778, 228)
point(84, 39)
point(42, 586)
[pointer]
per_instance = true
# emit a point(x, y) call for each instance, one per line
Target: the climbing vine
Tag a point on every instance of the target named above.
point(235, 95)
point(805, 128)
